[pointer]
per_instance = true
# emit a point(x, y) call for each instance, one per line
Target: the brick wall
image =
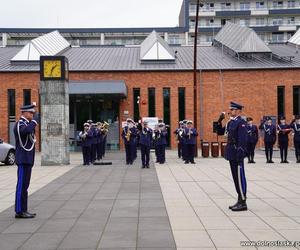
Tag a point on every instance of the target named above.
point(255, 89)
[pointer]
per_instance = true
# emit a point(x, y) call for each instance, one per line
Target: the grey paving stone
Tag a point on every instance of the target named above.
point(57, 225)
point(24, 226)
point(156, 239)
point(5, 224)
point(122, 224)
point(80, 240)
point(153, 212)
point(118, 239)
point(125, 212)
point(150, 203)
point(44, 241)
point(154, 223)
point(12, 241)
point(89, 224)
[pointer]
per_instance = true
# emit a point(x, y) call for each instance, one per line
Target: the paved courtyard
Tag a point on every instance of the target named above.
point(171, 206)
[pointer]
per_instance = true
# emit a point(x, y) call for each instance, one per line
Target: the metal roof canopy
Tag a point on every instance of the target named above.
point(154, 48)
point(240, 40)
point(47, 45)
point(117, 88)
point(282, 53)
point(295, 39)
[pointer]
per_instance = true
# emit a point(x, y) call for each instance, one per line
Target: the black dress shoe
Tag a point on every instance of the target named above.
point(253, 162)
point(147, 166)
point(230, 207)
point(143, 166)
point(271, 161)
point(32, 214)
point(240, 206)
point(286, 161)
point(298, 161)
point(186, 162)
point(193, 162)
point(24, 215)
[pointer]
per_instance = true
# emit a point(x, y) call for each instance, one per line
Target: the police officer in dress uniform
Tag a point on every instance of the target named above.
point(252, 139)
point(283, 131)
point(295, 125)
point(190, 135)
point(145, 144)
point(24, 132)
point(179, 137)
point(236, 151)
point(269, 137)
point(129, 134)
point(86, 137)
point(161, 142)
point(183, 142)
point(99, 136)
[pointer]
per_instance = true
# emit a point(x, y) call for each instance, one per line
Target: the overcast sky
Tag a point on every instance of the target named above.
point(89, 13)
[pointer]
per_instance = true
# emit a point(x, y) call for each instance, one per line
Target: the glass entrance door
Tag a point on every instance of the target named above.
point(96, 108)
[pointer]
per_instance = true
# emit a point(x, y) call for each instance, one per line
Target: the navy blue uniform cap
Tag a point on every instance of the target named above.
point(28, 108)
point(234, 105)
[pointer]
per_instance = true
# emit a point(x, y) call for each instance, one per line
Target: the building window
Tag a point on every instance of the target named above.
point(174, 39)
point(136, 105)
point(277, 37)
point(167, 111)
point(245, 22)
point(290, 34)
point(225, 6)
point(181, 104)
point(260, 21)
point(244, 5)
point(12, 103)
point(151, 102)
point(281, 100)
point(260, 5)
point(277, 4)
point(26, 96)
point(210, 22)
point(277, 21)
point(296, 100)
point(291, 20)
point(291, 4)
point(209, 6)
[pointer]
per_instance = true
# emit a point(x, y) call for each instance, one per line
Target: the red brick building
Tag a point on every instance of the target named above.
point(264, 85)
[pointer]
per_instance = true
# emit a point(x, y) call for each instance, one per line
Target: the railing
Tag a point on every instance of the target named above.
point(193, 12)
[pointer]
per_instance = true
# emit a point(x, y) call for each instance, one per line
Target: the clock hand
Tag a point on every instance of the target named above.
point(53, 67)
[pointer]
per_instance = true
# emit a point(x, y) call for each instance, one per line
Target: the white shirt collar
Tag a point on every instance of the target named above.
point(24, 118)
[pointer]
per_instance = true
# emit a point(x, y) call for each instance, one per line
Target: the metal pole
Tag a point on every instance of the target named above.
point(195, 73)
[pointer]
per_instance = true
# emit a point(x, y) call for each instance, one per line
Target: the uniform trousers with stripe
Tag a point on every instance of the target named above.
point(239, 178)
point(24, 175)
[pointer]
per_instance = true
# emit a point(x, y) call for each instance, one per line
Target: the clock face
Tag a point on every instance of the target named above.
point(52, 69)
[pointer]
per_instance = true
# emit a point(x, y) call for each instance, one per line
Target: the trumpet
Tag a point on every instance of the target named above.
point(128, 135)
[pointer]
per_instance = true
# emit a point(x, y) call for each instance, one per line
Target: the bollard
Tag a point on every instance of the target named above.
point(205, 149)
point(223, 145)
point(215, 147)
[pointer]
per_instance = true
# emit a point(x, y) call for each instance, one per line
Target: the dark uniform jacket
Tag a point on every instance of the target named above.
point(24, 133)
point(190, 139)
point(146, 137)
point(270, 132)
point(177, 132)
point(236, 131)
point(252, 134)
point(133, 134)
point(283, 136)
point(296, 129)
point(87, 141)
point(161, 137)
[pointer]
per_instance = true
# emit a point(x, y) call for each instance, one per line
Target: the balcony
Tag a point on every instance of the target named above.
point(245, 11)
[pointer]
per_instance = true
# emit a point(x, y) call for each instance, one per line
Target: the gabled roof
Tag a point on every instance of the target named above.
point(47, 45)
point(154, 48)
point(241, 39)
point(295, 39)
